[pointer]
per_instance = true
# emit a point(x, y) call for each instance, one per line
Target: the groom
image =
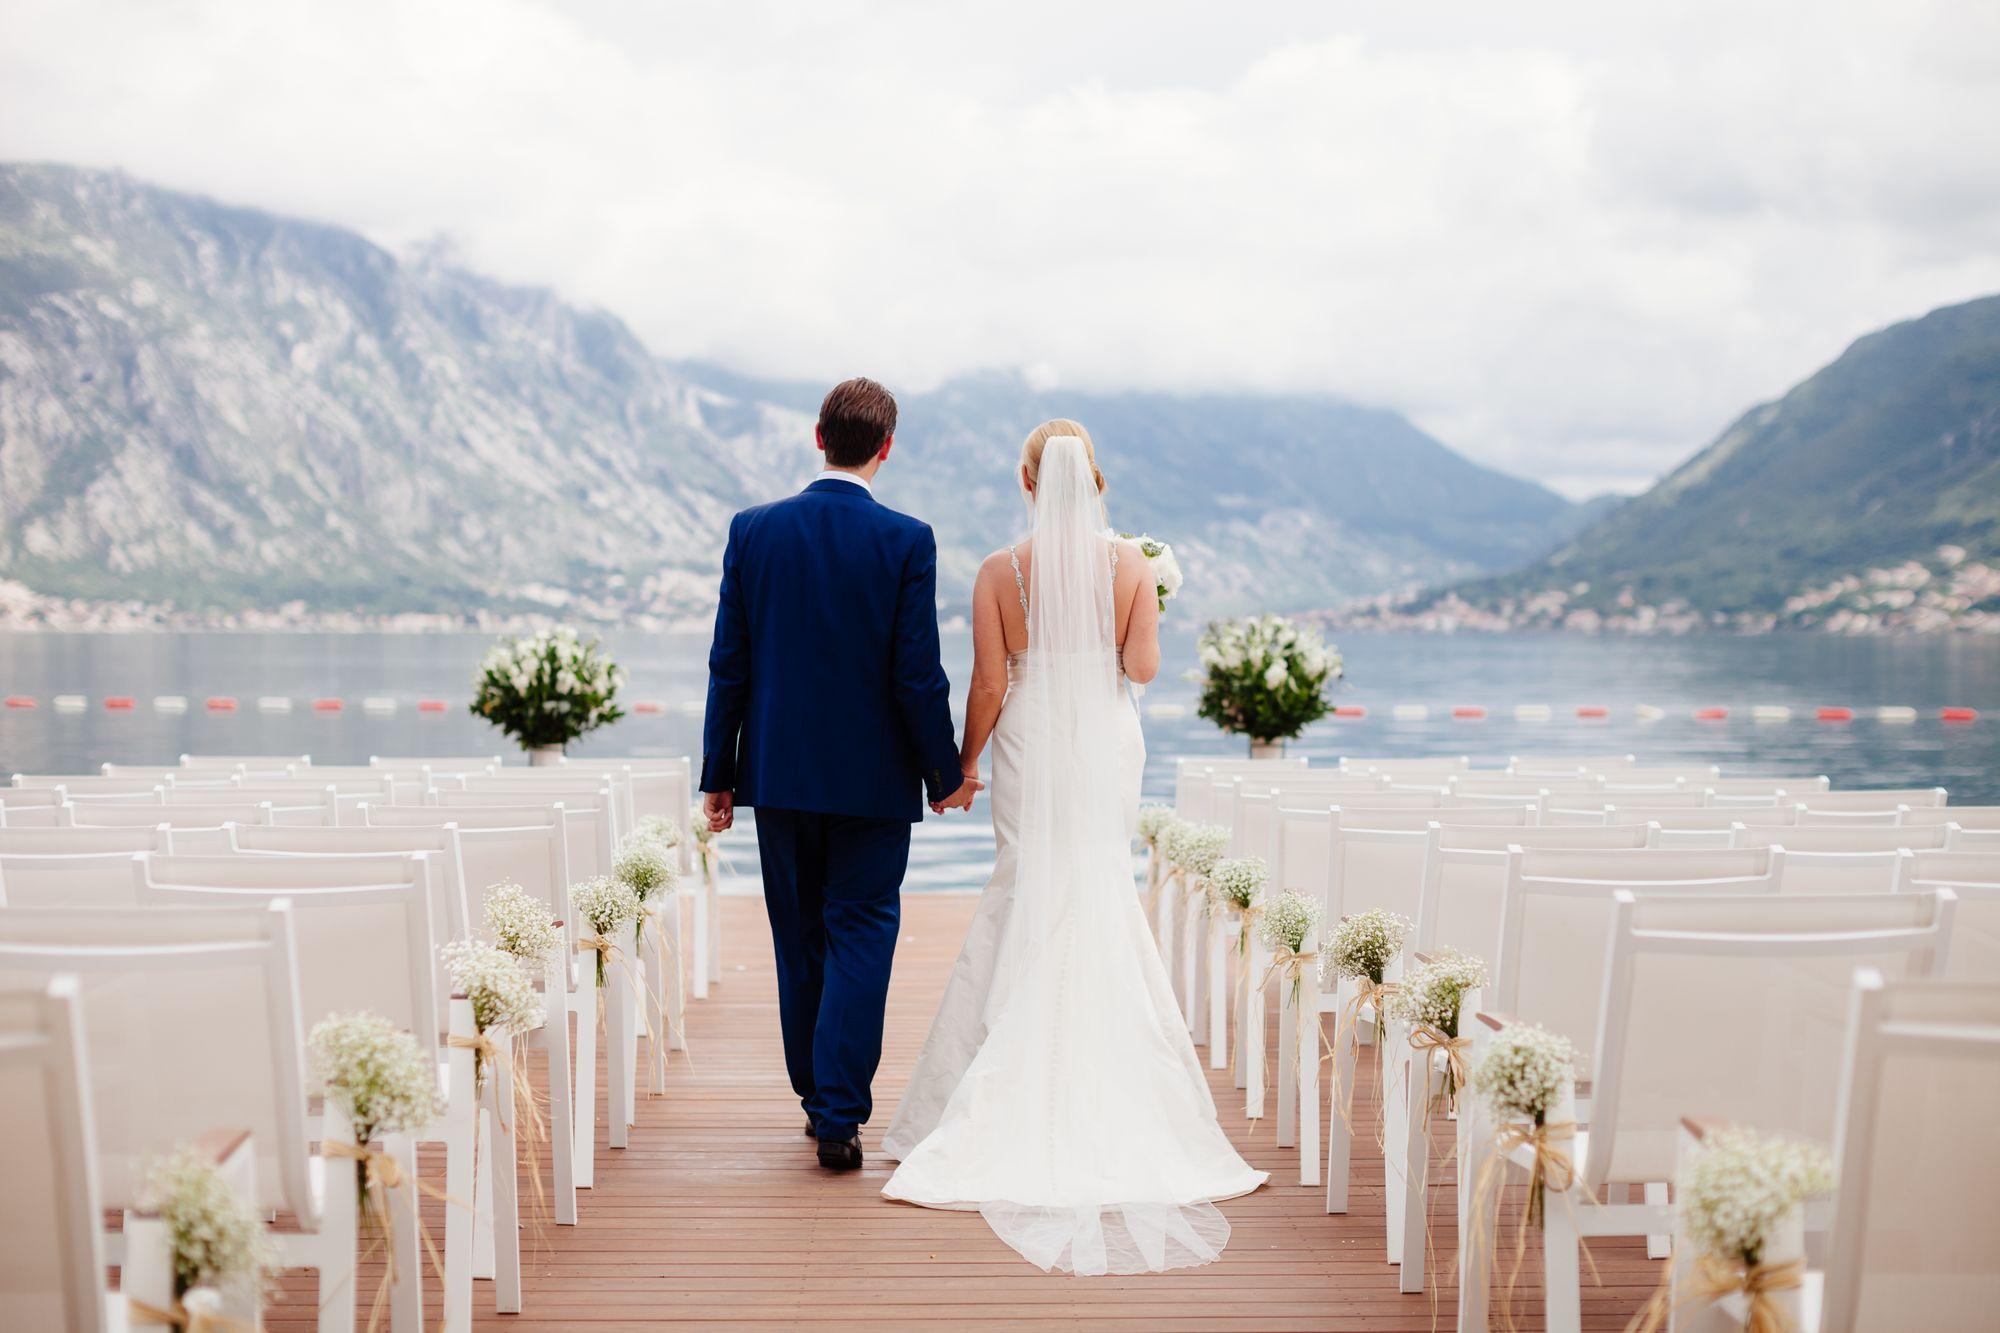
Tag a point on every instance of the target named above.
point(828, 711)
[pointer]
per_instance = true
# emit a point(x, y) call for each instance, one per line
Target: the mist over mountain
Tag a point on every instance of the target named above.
point(210, 407)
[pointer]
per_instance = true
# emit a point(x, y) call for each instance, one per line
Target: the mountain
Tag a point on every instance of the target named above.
point(212, 408)
point(1866, 497)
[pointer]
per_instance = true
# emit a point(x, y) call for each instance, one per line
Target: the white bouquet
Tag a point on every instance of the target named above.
point(1240, 880)
point(376, 1073)
point(218, 1238)
point(1523, 1072)
point(1734, 1191)
point(1167, 577)
point(647, 867)
point(502, 993)
point(522, 924)
point(1289, 919)
point(1265, 677)
point(548, 688)
point(1363, 944)
point(1153, 821)
point(1197, 847)
point(1431, 993)
point(607, 906)
point(663, 830)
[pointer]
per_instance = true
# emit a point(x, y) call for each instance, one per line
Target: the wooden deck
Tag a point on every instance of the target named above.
point(718, 1214)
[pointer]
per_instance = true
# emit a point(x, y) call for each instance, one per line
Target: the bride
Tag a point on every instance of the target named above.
point(1058, 1093)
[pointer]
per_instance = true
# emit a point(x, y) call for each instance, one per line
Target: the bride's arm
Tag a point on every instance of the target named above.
point(988, 689)
point(1142, 631)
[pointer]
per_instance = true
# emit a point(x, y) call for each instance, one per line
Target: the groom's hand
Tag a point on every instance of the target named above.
point(960, 799)
point(720, 807)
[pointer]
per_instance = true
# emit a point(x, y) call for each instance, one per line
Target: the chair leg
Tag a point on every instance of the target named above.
point(1396, 1079)
point(562, 1109)
point(1658, 1247)
point(1421, 1086)
point(1339, 1134)
point(658, 1020)
point(461, 1129)
point(1288, 1068)
point(1197, 978)
point(336, 1245)
point(1308, 1062)
point(482, 1193)
point(1561, 1279)
point(1218, 996)
point(714, 879)
point(585, 1009)
point(1475, 1147)
point(698, 907)
point(406, 1300)
point(673, 976)
point(1251, 1042)
point(506, 1229)
point(620, 1051)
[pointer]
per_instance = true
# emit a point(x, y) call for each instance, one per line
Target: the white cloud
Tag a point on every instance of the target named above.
point(1573, 240)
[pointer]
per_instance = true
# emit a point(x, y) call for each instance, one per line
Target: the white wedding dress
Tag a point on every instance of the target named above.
point(1058, 1094)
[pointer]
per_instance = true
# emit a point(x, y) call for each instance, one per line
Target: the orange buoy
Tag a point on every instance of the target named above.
point(1711, 714)
point(430, 705)
point(1958, 714)
point(122, 703)
point(1350, 710)
point(1592, 710)
point(327, 705)
point(221, 703)
point(1468, 712)
point(20, 701)
point(1835, 714)
point(649, 706)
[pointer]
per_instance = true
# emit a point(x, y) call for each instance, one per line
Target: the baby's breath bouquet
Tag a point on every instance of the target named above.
point(1240, 880)
point(523, 925)
point(1167, 577)
point(1524, 1075)
point(608, 906)
point(548, 688)
point(218, 1238)
point(1288, 920)
point(1153, 821)
point(1197, 847)
point(378, 1074)
point(1429, 1000)
point(1265, 677)
point(648, 867)
point(664, 830)
point(1737, 1188)
point(704, 839)
point(1364, 944)
point(502, 993)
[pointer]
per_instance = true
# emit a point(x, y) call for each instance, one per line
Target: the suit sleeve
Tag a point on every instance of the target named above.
point(728, 675)
point(923, 692)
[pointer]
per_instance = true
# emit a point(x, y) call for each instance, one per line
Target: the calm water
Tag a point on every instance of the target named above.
point(1677, 675)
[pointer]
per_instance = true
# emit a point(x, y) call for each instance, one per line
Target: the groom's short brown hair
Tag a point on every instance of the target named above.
point(855, 421)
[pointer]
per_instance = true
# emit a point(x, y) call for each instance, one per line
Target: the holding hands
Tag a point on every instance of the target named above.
point(962, 798)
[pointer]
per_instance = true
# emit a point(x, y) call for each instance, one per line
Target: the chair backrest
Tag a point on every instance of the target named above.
point(1965, 816)
point(80, 841)
point(529, 845)
point(1795, 786)
point(1849, 818)
point(1465, 875)
point(1192, 774)
point(67, 879)
point(1483, 785)
point(477, 763)
point(654, 786)
point(78, 787)
point(1299, 846)
point(1737, 1005)
point(1556, 909)
point(1914, 1226)
point(208, 815)
point(1964, 839)
point(1528, 765)
point(454, 919)
point(364, 925)
point(1841, 859)
point(1399, 769)
point(318, 797)
point(193, 1024)
point(1670, 798)
point(254, 763)
point(1698, 775)
point(1975, 878)
point(1708, 827)
point(1229, 794)
point(590, 816)
point(51, 1247)
point(30, 808)
point(1873, 800)
point(1843, 838)
point(168, 775)
point(1369, 866)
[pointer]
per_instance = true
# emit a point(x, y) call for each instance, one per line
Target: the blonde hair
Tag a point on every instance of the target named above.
point(1038, 439)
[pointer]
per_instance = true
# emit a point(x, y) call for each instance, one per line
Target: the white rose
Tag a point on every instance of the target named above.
point(1277, 676)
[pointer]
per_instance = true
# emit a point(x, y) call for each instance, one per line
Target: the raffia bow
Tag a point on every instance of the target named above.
point(1428, 1037)
point(198, 1320)
point(382, 1175)
point(1715, 1277)
point(1549, 1167)
point(603, 948)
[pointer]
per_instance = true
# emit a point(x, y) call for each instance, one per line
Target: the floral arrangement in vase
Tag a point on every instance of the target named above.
point(1167, 576)
point(547, 689)
point(1265, 678)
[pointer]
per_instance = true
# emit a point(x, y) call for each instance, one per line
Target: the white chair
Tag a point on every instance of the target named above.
point(1791, 786)
point(1192, 773)
point(454, 920)
point(478, 763)
point(193, 1023)
point(665, 787)
point(247, 763)
point(1914, 1227)
point(1402, 768)
point(1839, 858)
point(30, 807)
point(319, 798)
point(1965, 816)
point(344, 793)
point(79, 790)
point(52, 1276)
point(67, 879)
point(1975, 878)
point(1960, 839)
point(1711, 827)
point(1875, 800)
point(1738, 1004)
point(81, 841)
point(1533, 765)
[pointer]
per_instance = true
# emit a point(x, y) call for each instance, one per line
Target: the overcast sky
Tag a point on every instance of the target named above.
point(1573, 240)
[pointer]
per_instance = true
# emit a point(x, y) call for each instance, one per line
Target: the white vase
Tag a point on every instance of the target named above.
point(1267, 749)
point(544, 756)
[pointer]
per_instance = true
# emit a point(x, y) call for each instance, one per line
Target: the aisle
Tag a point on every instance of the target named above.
point(718, 1213)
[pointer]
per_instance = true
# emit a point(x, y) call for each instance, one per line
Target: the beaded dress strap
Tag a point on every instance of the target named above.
point(1020, 584)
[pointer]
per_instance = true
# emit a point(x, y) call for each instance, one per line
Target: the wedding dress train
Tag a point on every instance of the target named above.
point(1058, 1093)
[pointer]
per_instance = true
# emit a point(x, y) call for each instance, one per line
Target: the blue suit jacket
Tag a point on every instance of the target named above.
point(825, 689)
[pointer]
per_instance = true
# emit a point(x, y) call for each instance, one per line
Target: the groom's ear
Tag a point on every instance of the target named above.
point(819, 438)
point(888, 443)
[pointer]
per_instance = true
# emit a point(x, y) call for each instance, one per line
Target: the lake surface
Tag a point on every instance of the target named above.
point(1384, 670)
